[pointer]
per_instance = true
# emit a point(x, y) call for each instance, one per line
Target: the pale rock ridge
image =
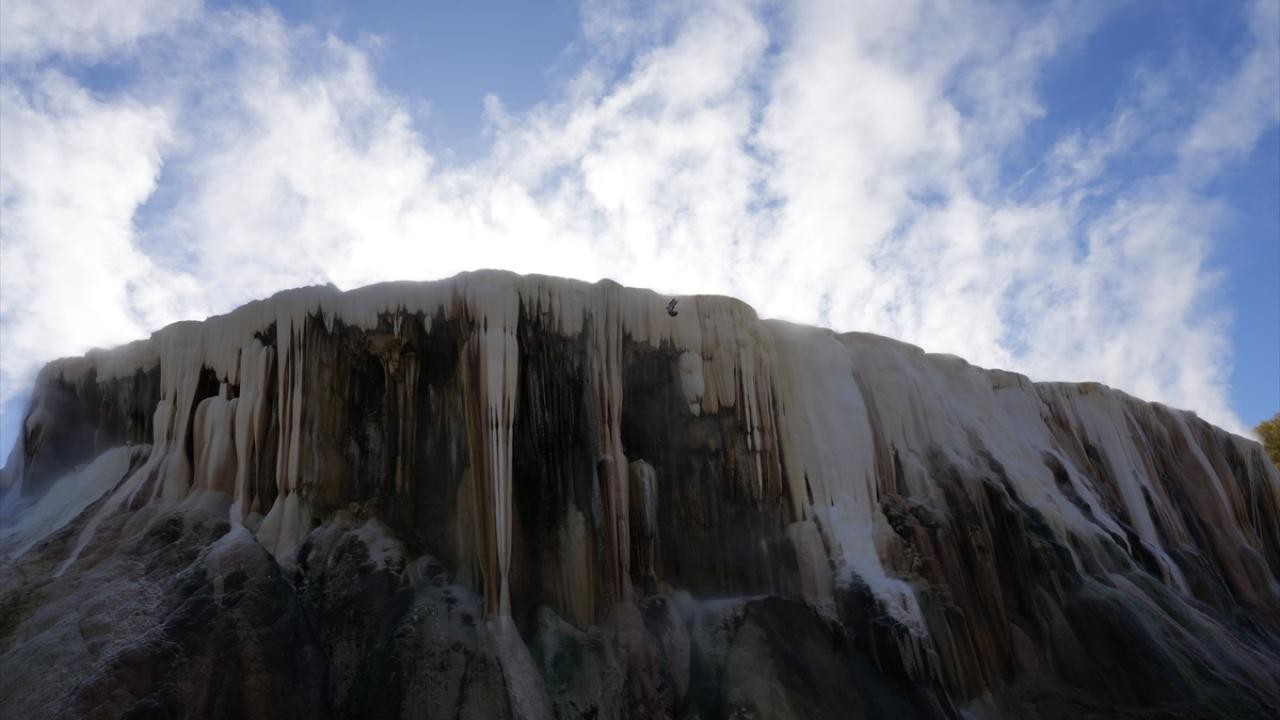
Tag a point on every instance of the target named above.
point(959, 522)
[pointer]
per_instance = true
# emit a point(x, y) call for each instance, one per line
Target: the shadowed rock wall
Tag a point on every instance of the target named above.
point(505, 496)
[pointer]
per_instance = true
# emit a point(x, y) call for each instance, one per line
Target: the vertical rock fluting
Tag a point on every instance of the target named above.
point(557, 494)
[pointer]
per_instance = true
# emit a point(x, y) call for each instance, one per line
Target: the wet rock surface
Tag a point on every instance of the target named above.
point(521, 497)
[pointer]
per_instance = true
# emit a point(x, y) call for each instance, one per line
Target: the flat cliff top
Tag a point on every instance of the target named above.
point(500, 295)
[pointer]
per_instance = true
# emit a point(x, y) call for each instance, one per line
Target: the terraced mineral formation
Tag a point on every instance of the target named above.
point(505, 496)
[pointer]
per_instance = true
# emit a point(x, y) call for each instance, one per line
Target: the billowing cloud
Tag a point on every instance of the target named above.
point(835, 163)
point(74, 171)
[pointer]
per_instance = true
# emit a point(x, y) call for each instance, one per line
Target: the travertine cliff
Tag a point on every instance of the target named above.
point(506, 496)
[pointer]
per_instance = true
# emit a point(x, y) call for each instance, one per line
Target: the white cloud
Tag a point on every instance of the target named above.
point(840, 165)
point(30, 30)
point(1245, 106)
point(74, 171)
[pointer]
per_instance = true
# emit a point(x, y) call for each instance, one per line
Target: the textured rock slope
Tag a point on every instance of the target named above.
point(505, 496)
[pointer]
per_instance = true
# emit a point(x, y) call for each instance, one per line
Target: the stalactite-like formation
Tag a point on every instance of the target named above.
point(560, 493)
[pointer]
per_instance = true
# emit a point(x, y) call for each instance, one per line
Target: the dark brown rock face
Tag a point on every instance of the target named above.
point(500, 496)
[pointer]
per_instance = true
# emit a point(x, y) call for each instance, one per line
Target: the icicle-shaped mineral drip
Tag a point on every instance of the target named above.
point(813, 567)
point(215, 451)
point(828, 446)
point(251, 421)
point(768, 460)
point(611, 467)
point(691, 381)
point(407, 407)
point(285, 523)
point(294, 408)
point(644, 507)
point(575, 573)
point(749, 410)
point(491, 366)
point(1106, 427)
point(181, 362)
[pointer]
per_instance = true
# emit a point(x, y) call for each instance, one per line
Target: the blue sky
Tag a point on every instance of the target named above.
point(449, 55)
point(1082, 190)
